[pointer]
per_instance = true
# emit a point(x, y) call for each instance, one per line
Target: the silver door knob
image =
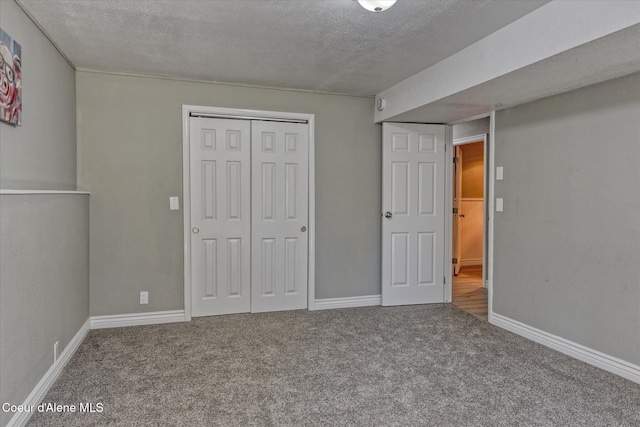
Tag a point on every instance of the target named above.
point(303, 228)
point(195, 230)
point(387, 214)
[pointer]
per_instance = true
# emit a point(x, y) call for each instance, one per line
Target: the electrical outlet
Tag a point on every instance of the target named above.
point(144, 297)
point(55, 352)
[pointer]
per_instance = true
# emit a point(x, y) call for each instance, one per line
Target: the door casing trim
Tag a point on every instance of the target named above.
point(186, 191)
point(484, 138)
point(489, 201)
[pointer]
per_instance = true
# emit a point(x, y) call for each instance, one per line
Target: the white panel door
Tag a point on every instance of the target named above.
point(413, 223)
point(220, 216)
point(280, 207)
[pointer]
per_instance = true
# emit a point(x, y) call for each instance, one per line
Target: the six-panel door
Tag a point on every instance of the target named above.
point(220, 161)
point(413, 220)
point(280, 180)
point(249, 212)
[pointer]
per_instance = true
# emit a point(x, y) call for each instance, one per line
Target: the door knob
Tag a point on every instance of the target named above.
point(195, 230)
point(387, 214)
point(303, 228)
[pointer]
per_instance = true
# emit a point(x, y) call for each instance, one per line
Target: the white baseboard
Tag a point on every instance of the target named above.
point(40, 390)
point(578, 351)
point(364, 301)
point(136, 319)
point(470, 261)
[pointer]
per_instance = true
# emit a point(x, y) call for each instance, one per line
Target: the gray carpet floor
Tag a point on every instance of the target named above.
point(402, 366)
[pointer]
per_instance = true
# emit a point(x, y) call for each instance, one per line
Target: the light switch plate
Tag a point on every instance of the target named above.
point(174, 203)
point(144, 297)
point(499, 173)
point(499, 205)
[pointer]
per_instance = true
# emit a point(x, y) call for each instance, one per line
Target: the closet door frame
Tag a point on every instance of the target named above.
point(196, 110)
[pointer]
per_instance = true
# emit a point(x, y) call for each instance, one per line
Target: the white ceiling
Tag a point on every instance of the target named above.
point(321, 45)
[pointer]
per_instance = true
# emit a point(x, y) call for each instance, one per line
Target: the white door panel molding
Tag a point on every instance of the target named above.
point(413, 206)
point(226, 192)
point(279, 216)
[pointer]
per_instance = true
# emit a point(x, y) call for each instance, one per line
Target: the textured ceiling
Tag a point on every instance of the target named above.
point(322, 45)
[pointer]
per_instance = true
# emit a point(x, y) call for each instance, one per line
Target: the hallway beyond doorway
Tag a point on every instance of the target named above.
point(468, 293)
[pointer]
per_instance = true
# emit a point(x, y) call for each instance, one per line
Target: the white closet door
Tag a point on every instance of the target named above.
point(279, 216)
point(220, 156)
point(413, 164)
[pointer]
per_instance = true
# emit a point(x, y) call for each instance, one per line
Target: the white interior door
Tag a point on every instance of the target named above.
point(413, 223)
point(280, 177)
point(220, 216)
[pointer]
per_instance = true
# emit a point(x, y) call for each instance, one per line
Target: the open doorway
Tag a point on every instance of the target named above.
point(469, 225)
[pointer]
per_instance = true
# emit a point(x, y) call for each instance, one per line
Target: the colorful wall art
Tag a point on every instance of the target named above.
point(10, 80)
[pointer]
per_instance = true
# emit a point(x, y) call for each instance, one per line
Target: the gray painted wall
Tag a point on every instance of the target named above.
point(567, 246)
point(40, 154)
point(44, 239)
point(471, 128)
point(130, 158)
point(44, 292)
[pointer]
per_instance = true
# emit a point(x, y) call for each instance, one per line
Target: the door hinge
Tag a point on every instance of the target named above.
point(456, 160)
point(455, 210)
point(454, 261)
point(444, 280)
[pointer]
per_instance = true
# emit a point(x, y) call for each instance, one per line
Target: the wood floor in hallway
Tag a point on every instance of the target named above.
point(468, 293)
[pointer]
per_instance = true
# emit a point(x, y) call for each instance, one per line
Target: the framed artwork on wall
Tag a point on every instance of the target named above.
point(10, 80)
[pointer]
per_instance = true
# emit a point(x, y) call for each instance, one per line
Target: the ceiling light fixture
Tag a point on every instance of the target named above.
point(376, 5)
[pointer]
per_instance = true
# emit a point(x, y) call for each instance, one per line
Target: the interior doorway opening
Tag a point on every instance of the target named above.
point(469, 224)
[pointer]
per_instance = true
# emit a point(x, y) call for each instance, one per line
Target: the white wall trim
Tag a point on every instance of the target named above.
point(482, 137)
point(575, 350)
point(487, 140)
point(490, 195)
point(40, 390)
point(186, 209)
point(470, 261)
point(25, 192)
point(311, 265)
point(136, 319)
point(186, 191)
point(448, 219)
point(347, 302)
point(469, 119)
